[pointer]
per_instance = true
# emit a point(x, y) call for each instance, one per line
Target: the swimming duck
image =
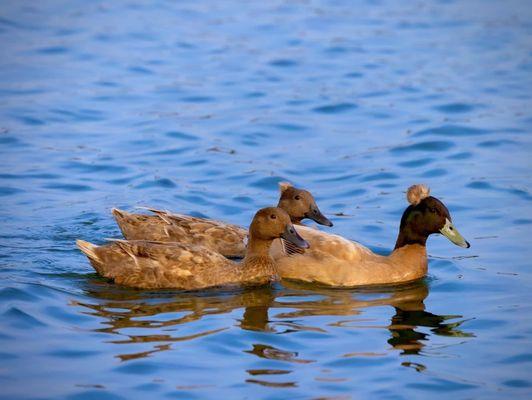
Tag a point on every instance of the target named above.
point(336, 261)
point(156, 265)
point(226, 239)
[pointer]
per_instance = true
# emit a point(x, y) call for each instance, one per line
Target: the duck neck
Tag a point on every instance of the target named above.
point(410, 252)
point(407, 235)
point(258, 267)
point(410, 261)
point(258, 247)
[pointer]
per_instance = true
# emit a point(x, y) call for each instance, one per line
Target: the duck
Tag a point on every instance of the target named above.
point(226, 239)
point(335, 261)
point(146, 264)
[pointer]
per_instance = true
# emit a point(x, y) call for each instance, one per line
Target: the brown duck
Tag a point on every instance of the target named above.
point(226, 239)
point(336, 261)
point(156, 265)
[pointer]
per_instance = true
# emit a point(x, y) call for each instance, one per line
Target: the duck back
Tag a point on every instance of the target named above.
point(226, 239)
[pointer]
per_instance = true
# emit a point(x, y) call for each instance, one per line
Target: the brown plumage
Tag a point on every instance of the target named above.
point(416, 193)
point(154, 265)
point(226, 239)
point(336, 261)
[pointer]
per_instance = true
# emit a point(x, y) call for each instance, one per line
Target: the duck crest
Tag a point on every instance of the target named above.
point(283, 186)
point(416, 193)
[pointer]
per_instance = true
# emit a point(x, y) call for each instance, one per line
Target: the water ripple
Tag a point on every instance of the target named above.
point(452, 131)
point(335, 108)
point(455, 108)
point(430, 146)
point(19, 319)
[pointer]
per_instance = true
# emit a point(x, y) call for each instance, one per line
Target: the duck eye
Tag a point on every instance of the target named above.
point(297, 197)
point(273, 216)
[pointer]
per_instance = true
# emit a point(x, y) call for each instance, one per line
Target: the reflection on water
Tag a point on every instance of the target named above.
point(266, 309)
point(405, 322)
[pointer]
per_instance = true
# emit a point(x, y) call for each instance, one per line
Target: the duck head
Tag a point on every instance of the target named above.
point(273, 222)
point(426, 215)
point(300, 204)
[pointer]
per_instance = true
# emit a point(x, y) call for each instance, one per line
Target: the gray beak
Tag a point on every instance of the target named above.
point(291, 235)
point(316, 215)
point(451, 233)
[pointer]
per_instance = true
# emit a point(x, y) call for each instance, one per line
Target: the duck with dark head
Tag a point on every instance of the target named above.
point(426, 215)
point(336, 261)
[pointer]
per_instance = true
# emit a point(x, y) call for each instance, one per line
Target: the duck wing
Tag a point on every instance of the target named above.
point(322, 244)
point(330, 259)
point(226, 239)
point(153, 265)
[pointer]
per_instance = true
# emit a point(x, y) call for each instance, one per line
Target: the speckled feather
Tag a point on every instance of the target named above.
point(226, 239)
point(154, 265)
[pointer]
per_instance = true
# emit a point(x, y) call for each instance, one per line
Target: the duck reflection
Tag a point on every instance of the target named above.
point(406, 338)
point(278, 310)
point(407, 301)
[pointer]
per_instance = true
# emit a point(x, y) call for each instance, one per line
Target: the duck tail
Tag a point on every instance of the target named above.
point(122, 219)
point(118, 213)
point(153, 210)
point(89, 250)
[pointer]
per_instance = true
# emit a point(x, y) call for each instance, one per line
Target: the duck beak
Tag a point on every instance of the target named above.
point(290, 234)
point(451, 233)
point(316, 215)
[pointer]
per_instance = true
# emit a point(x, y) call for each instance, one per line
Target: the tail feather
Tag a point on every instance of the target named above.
point(153, 210)
point(121, 218)
point(163, 214)
point(118, 213)
point(88, 249)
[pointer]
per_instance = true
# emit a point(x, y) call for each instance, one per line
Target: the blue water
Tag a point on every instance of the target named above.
point(202, 107)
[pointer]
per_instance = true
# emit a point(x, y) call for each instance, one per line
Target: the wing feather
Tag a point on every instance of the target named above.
point(149, 264)
point(226, 239)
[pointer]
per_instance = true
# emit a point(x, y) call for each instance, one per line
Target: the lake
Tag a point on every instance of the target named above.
point(202, 108)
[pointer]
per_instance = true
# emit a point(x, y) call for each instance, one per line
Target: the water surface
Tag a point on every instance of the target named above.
point(202, 108)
